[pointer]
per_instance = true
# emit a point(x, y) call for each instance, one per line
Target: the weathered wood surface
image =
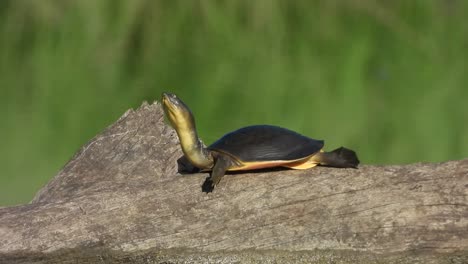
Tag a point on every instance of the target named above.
point(121, 198)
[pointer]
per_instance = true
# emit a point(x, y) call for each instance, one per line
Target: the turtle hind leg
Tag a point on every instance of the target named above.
point(340, 158)
point(221, 165)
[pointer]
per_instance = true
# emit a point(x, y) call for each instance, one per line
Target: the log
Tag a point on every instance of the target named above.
point(121, 199)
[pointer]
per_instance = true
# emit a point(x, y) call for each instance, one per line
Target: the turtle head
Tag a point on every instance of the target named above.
point(177, 112)
point(182, 120)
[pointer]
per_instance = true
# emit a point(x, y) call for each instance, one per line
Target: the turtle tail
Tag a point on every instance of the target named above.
point(340, 158)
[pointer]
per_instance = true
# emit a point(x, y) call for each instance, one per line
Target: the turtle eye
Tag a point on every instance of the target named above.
point(176, 104)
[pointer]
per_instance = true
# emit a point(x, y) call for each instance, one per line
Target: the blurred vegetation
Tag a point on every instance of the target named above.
point(386, 78)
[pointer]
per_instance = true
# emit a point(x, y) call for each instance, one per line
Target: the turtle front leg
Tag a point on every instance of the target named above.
point(221, 165)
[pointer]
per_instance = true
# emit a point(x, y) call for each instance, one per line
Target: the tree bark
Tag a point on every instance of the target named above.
point(121, 198)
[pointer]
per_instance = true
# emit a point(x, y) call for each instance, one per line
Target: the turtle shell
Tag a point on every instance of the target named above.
point(266, 143)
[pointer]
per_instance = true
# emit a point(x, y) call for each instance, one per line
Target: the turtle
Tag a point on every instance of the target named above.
point(250, 148)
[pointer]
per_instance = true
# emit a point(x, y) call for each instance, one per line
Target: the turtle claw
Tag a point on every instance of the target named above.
point(208, 186)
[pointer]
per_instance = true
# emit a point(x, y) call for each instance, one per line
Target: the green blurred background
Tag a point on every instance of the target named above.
point(386, 78)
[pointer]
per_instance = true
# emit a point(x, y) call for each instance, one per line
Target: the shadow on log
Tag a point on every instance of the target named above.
point(120, 199)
